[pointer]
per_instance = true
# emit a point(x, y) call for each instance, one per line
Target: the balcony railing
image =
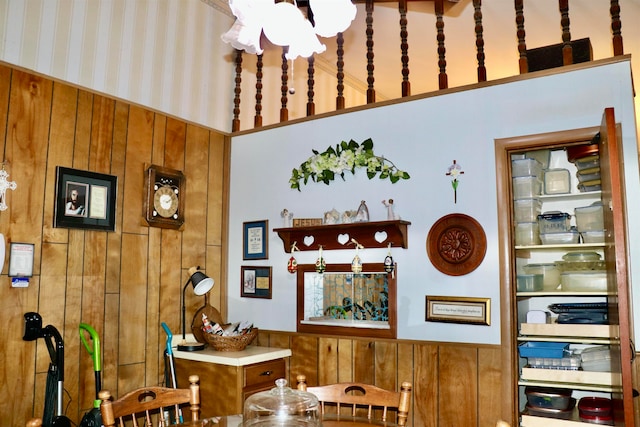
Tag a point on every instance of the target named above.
point(566, 52)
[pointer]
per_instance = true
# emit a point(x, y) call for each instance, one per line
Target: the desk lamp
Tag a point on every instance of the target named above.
point(201, 285)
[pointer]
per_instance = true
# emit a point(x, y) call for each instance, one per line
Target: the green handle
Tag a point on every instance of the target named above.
point(95, 350)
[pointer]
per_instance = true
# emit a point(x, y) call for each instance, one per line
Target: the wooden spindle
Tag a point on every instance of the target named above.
point(284, 112)
point(404, 48)
point(477, 16)
point(616, 26)
point(311, 106)
point(257, 121)
point(340, 72)
point(522, 46)
point(235, 124)
point(442, 62)
point(371, 92)
point(567, 50)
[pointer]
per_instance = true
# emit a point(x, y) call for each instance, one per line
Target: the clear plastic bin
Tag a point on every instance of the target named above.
point(527, 234)
point(527, 210)
point(557, 181)
point(526, 167)
point(530, 282)
point(554, 222)
point(567, 238)
point(590, 218)
point(526, 187)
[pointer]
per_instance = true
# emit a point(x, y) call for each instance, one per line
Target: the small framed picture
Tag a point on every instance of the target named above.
point(255, 282)
point(21, 259)
point(85, 200)
point(255, 240)
point(458, 310)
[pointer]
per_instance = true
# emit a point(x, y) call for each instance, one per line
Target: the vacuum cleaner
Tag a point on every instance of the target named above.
point(93, 418)
point(55, 376)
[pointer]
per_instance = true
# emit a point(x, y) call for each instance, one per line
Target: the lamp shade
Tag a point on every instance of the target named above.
point(201, 283)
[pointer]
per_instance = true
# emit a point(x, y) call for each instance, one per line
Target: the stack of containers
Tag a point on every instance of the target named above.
point(527, 188)
point(550, 402)
point(590, 222)
point(587, 161)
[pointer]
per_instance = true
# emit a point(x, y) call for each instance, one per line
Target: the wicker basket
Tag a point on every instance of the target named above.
point(231, 343)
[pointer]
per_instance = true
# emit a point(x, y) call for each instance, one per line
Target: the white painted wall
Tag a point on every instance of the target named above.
point(423, 137)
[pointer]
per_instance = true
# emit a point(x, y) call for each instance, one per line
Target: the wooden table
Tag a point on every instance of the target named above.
point(327, 421)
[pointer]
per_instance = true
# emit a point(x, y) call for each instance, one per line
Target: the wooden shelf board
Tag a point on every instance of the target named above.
point(584, 378)
point(569, 330)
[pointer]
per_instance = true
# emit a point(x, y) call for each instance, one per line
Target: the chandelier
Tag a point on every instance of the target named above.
point(285, 25)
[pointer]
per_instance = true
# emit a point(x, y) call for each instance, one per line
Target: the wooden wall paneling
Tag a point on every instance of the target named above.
point(327, 361)
point(457, 386)
point(218, 169)
point(133, 300)
point(138, 152)
point(304, 358)
point(489, 378)
point(425, 385)
point(345, 360)
point(110, 343)
point(118, 155)
point(60, 153)
point(214, 261)
point(386, 365)
point(172, 279)
point(26, 151)
point(130, 377)
point(175, 138)
point(5, 88)
point(155, 335)
point(405, 371)
point(82, 141)
point(101, 134)
point(159, 139)
point(194, 234)
point(364, 361)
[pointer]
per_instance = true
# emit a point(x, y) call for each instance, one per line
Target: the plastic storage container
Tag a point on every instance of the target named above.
point(529, 282)
point(589, 174)
point(567, 238)
point(554, 222)
point(527, 233)
point(596, 359)
point(548, 397)
point(589, 186)
point(281, 406)
point(543, 156)
point(596, 410)
point(549, 271)
point(584, 281)
point(563, 414)
point(587, 162)
point(526, 210)
point(567, 363)
point(526, 167)
point(526, 187)
point(592, 236)
point(590, 218)
point(557, 181)
point(543, 349)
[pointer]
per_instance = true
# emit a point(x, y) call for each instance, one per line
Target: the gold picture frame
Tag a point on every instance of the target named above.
point(476, 311)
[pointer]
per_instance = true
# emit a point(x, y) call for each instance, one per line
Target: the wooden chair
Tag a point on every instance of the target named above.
point(148, 400)
point(34, 422)
point(357, 396)
point(502, 423)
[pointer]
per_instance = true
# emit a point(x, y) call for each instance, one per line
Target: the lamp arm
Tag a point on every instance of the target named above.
point(183, 304)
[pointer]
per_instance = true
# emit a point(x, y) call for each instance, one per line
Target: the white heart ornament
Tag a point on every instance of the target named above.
point(308, 240)
point(381, 236)
point(343, 238)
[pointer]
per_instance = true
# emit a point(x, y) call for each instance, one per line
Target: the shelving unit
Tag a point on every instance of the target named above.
point(374, 234)
point(618, 384)
point(574, 334)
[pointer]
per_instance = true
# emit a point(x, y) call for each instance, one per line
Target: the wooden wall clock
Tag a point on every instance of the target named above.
point(164, 197)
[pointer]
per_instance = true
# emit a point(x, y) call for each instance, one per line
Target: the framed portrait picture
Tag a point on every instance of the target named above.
point(255, 282)
point(85, 200)
point(255, 240)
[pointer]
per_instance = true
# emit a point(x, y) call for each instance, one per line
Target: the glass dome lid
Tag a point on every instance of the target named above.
point(281, 406)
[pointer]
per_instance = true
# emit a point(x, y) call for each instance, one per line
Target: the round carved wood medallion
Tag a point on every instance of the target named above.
point(456, 244)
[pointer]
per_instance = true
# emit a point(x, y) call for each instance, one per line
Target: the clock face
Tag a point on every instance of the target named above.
point(165, 201)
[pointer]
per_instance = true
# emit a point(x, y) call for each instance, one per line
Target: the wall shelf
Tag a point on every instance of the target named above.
point(378, 234)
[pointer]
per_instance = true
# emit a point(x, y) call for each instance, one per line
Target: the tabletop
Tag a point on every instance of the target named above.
point(327, 421)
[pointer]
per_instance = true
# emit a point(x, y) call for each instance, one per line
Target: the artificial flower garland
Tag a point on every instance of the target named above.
point(346, 156)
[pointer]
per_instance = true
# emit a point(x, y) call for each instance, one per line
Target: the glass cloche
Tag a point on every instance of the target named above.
point(281, 406)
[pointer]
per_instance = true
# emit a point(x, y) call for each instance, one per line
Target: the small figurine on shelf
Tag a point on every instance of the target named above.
point(356, 264)
point(331, 217)
point(286, 218)
point(389, 265)
point(363, 213)
point(391, 214)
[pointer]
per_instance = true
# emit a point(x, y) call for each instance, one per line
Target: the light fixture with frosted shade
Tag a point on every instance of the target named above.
point(332, 16)
point(201, 285)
